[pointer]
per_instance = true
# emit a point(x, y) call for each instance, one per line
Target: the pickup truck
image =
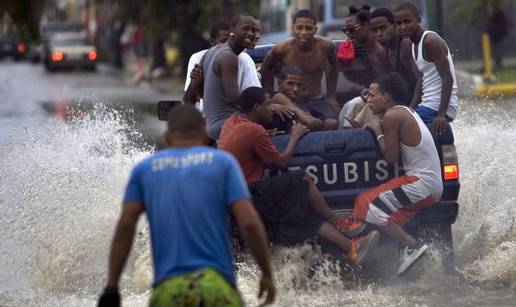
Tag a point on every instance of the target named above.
point(347, 162)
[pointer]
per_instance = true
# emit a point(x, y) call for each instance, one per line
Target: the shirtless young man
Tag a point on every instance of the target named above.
point(383, 27)
point(438, 103)
point(314, 54)
point(290, 82)
point(371, 61)
point(401, 135)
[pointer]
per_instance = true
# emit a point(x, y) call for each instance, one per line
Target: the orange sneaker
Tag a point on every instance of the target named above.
point(361, 247)
point(349, 226)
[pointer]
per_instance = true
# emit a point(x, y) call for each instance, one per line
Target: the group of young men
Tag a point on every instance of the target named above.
point(187, 189)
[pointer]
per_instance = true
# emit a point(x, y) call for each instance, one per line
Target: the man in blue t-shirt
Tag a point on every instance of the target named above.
point(187, 190)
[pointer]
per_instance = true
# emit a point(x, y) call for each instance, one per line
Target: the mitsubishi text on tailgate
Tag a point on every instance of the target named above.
point(347, 162)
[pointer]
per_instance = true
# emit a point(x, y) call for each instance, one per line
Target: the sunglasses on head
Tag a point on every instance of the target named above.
point(352, 29)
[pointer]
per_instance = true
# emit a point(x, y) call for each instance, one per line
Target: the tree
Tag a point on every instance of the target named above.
point(182, 21)
point(25, 15)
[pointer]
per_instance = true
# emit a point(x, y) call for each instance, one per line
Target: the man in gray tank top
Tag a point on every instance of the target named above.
point(220, 72)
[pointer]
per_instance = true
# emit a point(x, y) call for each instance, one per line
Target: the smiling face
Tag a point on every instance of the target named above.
point(407, 23)
point(383, 30)
point(291, 86)
point(304, 30)
point(376, 99)
point(247, 32)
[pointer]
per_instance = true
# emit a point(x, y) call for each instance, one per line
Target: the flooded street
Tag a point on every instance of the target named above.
point(61, 185)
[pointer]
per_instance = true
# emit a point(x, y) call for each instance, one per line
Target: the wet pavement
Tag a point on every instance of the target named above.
point(62, 177)
point(31, 96)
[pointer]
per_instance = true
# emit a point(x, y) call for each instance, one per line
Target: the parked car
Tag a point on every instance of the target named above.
point(69, 50)
point(11, 45)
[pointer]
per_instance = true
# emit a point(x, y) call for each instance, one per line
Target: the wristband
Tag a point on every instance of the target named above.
point(379, 136)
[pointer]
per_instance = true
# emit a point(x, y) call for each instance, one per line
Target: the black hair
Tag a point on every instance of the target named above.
point(289, 70)
point(237, 19)
point(217, 27)
point(250, 97)
point(393, 85)
point(185, 119)
point(407, 6)
point(304, 14)
point(362, 14)
point(382, 12)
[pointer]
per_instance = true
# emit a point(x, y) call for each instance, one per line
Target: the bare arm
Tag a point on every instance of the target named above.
point(267, 69)
point(389, 143)
point(305, 118)
point(438, 54)
point(296, 133)
point(196, 80)
point(418, 90)
point(190, 97)
point(378, 57)
point(228, 67)
point(332, 71)
point(407, 60)
point(122, 241)
point(255, 238)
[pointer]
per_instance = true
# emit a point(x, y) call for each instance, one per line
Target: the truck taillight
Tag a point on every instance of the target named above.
point(451, 171)
point(57, 56)
point(450, 162)
point(92, 55)
point(21, 47)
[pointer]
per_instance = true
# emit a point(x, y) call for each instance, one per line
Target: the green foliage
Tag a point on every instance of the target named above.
point(471, 10)
point(160, 18)
point(505, 75)
point(24, 14)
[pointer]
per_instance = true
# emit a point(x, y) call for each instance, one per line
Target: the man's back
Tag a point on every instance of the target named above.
point(250, 144)
point(163, 183)
point(418, 153)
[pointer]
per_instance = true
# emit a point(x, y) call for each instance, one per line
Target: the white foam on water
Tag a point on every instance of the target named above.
point(61, 187)
point(61, 190)
point(485, 233)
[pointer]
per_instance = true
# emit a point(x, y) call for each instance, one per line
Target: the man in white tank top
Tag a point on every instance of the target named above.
point(437, 99)
point(401, 135)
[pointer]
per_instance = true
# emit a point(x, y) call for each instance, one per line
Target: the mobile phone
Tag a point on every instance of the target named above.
point(165, 106)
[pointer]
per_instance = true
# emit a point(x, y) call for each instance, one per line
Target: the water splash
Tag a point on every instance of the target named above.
point(61, 187)
point(485, 234)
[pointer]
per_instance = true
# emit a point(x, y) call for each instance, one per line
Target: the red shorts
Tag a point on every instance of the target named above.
point(396, 201)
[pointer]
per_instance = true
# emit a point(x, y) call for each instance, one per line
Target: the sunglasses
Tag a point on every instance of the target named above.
point(349, 30)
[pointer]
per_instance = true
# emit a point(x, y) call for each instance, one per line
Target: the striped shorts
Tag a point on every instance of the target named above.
point(396, 201)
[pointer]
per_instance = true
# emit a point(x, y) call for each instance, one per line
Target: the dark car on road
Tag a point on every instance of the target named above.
point(69, 50)
point(11, 45)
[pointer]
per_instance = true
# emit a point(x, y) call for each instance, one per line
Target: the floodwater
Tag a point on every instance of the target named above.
point(61, 187)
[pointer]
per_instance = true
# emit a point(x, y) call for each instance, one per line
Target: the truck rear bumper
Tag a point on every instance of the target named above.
point(443, 212)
